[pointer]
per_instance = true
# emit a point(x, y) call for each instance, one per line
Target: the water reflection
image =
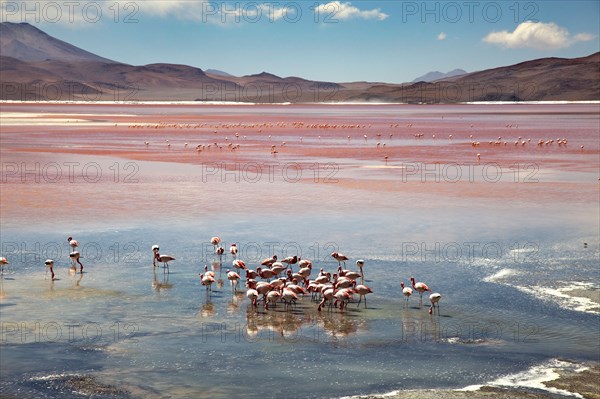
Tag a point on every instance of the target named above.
point(163, 283)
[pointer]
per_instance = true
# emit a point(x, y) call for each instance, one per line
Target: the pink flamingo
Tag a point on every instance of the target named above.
point(239, 264)
point(362, 290)
point(327, 295)
point(406, 291)
point(339, 257)
point(207, 281)
point(269, 261)
point(420, 287)
point(434, 299)
point(233, 250)
point(252, 295)
point(234, 279)
point(290, 260)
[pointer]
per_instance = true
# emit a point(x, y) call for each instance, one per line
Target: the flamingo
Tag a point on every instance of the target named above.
point(266, 274)
point(327, 294)
point(3, 262)
point(215, 241)
point(340, 258)
point(49, 265)
point(362, 290)
point(73, 243)
point(220, 251)
point(277, 268)
point(420, 287)
point(75, 259)
point(360, 263)
point(289, 297)
point(434, 299)
point(269, 261)
point(234, 279)
point(406, 291)
point(251, 274)
point(233, 250)
point(272, 297)
point(304, 263)
point(252, 294)
point(239, 264)
point(290, 260)
point(165, 259)
point(207, 281)
point(342, 296)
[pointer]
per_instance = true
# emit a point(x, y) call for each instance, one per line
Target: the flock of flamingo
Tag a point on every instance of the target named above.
point(331, 289)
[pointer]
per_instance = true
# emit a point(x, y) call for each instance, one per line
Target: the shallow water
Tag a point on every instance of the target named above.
point(498, 256)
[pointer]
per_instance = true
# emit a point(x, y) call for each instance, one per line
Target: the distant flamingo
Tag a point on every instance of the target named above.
point(406, 291)
point(420, 287)
point(3, 262)
point(269, 261)
point(252, 294)
point(290, 260)
point(75, 259)
point(239, 264)
point(164, 259)
point(327, 295)
point(207, 281)
point(360, 263)
point(233, 250)
point(272, 297)
point(234, 279)
point(434, 299)
point(289, 297)
point(73, 243)
point(340, 258)
point(362, 290)
point(49, 265)
point(265, 274)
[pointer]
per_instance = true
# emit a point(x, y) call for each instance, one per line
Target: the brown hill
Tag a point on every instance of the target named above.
point(36, 66)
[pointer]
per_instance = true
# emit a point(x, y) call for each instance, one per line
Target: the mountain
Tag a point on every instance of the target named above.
point(35, 66)
point(27, 43)
point(218, 73)
point(436, 75)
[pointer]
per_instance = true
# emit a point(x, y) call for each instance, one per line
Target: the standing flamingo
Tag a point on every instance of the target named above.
point(360, 263)
point(75, 259)
point(73, 243)
point(340, 258)
point(165, 259)
point(234, 279)
point(406, 291)
point(239, 264)
point(290, 260)
point(252, 294)
point(233, 250)
point(49, 265)
point(420, 287)
point(434, 299)
point(269, 261)
point(207, 281)
point(362, 290)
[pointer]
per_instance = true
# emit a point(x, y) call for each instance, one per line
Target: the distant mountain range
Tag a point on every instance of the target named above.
point(35, 66)
point(436, 75)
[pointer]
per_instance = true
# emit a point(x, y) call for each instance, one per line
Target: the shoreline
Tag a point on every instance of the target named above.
point(577, 380)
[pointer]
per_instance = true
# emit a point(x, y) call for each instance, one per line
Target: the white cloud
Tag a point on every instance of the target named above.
point(336, 10)
point(536, 35)
point(441, 36)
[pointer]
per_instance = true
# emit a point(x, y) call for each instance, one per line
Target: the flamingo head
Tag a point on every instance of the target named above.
point(412, 280)
point(402, 284)
point(69, 238)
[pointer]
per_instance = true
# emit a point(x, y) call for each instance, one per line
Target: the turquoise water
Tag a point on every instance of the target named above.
point(503, 266)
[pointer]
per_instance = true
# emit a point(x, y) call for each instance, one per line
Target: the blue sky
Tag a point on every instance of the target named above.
point(342, 41)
